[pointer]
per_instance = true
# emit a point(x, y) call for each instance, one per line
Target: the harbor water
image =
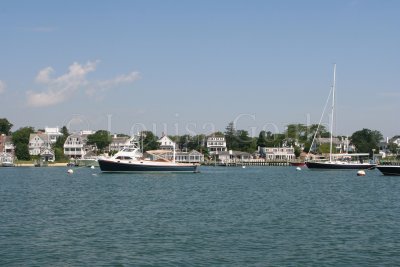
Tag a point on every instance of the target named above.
point(223, 216)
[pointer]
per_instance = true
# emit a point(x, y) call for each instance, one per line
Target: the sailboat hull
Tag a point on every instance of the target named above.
point(339, 165)
point(392, 170)
point(143, 166)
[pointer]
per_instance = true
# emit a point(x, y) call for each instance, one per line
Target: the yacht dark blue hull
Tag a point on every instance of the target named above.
point(390, 170)
point(339, 166)
point(114, 166)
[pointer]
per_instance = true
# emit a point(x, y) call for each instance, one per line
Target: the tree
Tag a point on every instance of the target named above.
point(21, 140)
point(245, 142)
point(64, 131)
point(5, 126)
point(231, 137)
point(58, 146)
point(262, 139)
point(101, 139)
point(148, 140)
point(365, 140)
point(393, 148)
point(322, 131)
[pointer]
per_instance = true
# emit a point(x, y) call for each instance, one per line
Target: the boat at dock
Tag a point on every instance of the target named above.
point(297, 163)
point(6, 160)
point(130, 159)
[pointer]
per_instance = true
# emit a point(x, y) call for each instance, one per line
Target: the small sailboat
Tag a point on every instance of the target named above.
point(339, 161)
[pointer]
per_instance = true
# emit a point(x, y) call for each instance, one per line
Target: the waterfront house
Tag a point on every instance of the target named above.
point(118, 142)
point(47, 154)
point(6, 145)
point(341, 145)
point(40, 144)
point(76, 145)
point(216, 144)
point(193, 156)
point(395, 140)
point(384, 146)
point(278, 153)
point(166, 143)
point(53, 134)
point(37, 142)
point(233, 156)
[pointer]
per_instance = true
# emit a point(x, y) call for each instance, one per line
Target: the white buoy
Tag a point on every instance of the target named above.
point(298, 168)
point(70, 171)
point(92, 167)
point(243, 167)
point(361, 173)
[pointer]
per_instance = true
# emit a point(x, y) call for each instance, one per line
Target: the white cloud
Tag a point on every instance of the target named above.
point(44, 75)
point(62, 88)
point(117, 81)
point(2, 86)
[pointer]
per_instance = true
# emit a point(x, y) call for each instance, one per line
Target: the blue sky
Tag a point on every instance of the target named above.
point(193, 66)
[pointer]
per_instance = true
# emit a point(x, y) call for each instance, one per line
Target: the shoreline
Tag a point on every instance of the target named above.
point(33, 165)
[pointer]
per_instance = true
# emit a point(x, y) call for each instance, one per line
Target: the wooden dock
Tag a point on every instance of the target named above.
point(255, 162)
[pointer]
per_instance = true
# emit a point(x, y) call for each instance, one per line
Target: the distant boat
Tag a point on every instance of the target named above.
point(6, 160)
point(297, 163)
point(390, 170)
point(87, 162)
point(339, 161)
point(130, 159)
point(7, 164)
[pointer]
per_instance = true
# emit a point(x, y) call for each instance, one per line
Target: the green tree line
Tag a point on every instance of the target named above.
point(299, 136)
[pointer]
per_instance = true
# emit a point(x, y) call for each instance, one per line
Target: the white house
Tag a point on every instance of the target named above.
point(53, 134)
point(6, 144)
point(37, 142)
point(339, 145)
point(233, 156)
point(278, 153)
point(47, 154)
point(396, 140)
point(40, 144)
point(118, 142)
point(166, 143)
point(193, 156)
point(216, 144)
point(76, 145)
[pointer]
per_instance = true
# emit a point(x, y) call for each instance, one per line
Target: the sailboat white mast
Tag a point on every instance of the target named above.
point(333, 111)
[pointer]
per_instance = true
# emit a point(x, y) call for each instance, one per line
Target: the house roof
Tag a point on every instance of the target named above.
point(120, 139)
point(324, 140)
point(191, 153)
point(46, 151)
point(41, 135)
point(164, 139)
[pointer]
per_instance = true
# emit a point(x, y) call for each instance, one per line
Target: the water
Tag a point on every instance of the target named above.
point(257, 216)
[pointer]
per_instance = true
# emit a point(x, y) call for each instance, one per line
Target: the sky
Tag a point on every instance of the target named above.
point(190, 67)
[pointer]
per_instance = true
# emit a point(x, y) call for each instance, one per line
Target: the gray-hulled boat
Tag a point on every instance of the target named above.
point(130, 159)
